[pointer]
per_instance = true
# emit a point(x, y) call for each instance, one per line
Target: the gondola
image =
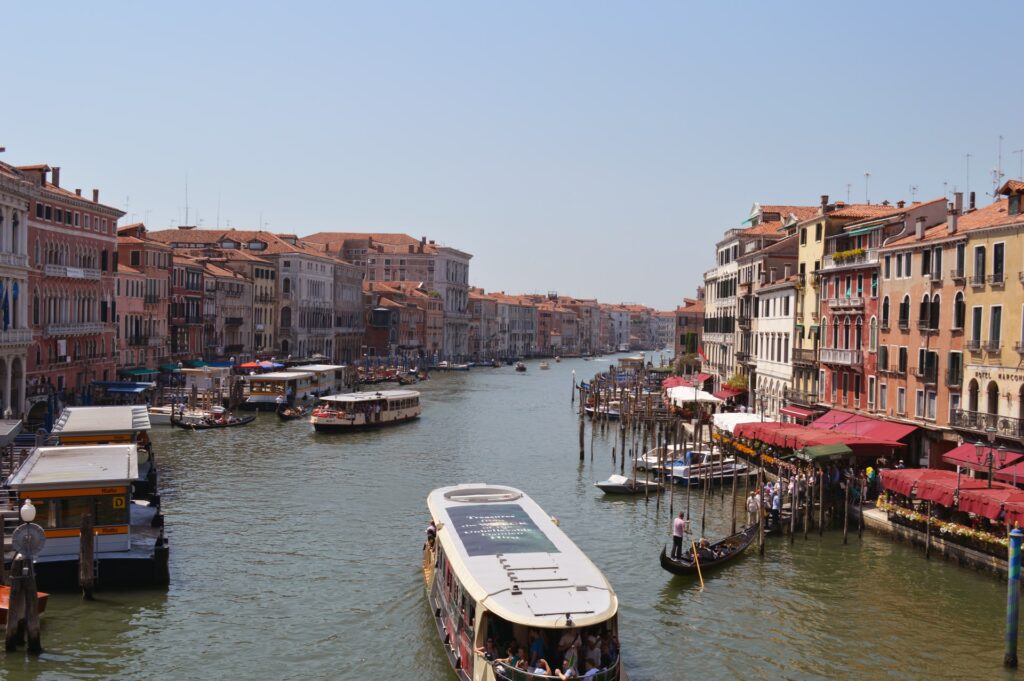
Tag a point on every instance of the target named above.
point(292, 413)
point(734, 546)
point(245, 420)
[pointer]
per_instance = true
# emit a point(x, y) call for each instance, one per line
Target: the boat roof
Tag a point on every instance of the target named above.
point(102, 420)
point(515, 560)
point(279, 376)
point(319, 367)
point(371, 397)
point(77, 466)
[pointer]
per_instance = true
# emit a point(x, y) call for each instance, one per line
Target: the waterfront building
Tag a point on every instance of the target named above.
point(227, 313)
point(588, 324)
point(72, 247)
point(763, 264)
point(400, 257)
point(483, 326)
point(185, 321)
point(992, 263)
point(689, 326)
point(16, 202)
point(517, 323)
point(852, 280)
point(812, 232)
point(130, 289)
point(618, 327)
point(665, 328)
point(919, 364)
point(349, 321)
point(772, 330)
point(262, 275)
point(153, 260)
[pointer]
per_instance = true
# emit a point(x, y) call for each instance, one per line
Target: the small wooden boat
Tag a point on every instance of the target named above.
point(293, 413)
point(726, 550)
point(620, 484)
point(520, 367)
point(5, 601)
point(545, 365)
point(557, 359)
point(227, 422)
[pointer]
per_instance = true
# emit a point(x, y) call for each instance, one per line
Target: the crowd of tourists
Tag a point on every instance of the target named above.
point(565, 654)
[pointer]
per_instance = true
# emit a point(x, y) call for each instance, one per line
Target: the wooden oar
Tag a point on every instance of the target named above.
point(696, 561)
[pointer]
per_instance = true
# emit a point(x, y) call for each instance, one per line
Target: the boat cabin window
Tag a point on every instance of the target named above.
point(66, 512)
point(598, 643)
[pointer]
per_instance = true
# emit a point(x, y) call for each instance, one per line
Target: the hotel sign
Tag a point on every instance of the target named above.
point(998, 374)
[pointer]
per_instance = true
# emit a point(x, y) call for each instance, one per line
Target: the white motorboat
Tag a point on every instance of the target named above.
point(686, 471)
point(659, 456)
point(620, 484)
point(161, 416)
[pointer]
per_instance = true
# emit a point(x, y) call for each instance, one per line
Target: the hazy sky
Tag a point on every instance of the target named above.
point(596, 149)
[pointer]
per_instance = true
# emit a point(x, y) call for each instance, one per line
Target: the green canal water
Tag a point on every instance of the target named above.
point(297, 556)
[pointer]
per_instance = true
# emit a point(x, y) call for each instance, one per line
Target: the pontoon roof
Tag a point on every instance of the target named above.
point(279, 376)
point(371, 397)
point(318, 367)
point(497, 538)
point(69, 467)
point(102, 420)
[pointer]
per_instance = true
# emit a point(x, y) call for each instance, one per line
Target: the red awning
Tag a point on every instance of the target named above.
point(988, 502)
point(798, 412)
point(675, 382)
point(1014, 514)
point(701, 378)
point(727, 393)
point(903, 481)
point(1012, 474)
point(942, 490)
point(249, 365)
point(795, 436)
point(859, 424)
point(967, 455)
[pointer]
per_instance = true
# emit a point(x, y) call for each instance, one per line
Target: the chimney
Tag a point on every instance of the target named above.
point(958, 199)
point(824, 205)
point(78, 192)
point(951, 217)
point(919, 228)
point(900, 204)
point(787, 270)
point(55, 177)
point(95, 195)
point(972, 201)
point(423, 240)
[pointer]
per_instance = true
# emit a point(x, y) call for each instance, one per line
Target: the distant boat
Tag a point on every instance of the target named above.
point(620, 484)
point(520, 367)
point(558, 359)
point(545, 365)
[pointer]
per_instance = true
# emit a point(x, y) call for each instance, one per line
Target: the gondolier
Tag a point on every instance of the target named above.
point(679, 530)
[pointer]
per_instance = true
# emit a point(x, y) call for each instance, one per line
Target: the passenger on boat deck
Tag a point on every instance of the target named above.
point(488, 650)
point(569, 645)
point(431, 531)
point(536, 646)
point(567, 671)
point(593, 653)
point(541, 668)
point(591, 670)
point(512, 658)
point(751, 509)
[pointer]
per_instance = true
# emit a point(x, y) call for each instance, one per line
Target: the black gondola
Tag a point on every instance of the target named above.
point(733, 546)
point(210, 426)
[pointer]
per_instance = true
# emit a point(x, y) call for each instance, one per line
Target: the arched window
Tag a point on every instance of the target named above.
point(933, 314)
point(885, 312)
point(859, 335)
point(835, 333)
point(873, 335)
point(959, 310)
point(286, 285)
point(992, 405)
point(924, 310)
point(972, 396)
point(286, 317)
point(905, 312)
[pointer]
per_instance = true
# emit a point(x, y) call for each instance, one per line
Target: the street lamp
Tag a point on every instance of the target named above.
point(979, 449)
point(28, 511)
point(761, 404)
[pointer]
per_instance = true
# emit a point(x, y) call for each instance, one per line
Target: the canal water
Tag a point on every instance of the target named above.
point(297, 556)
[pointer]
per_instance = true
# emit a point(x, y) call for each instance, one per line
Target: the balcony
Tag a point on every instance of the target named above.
point(850, 258)
point(954, 377)
point(992, 345)
point(14, 259)
point(156, 341)
point(136, 341)
point(957, 275)
point(743, 357)
point(232, 321)
point(743, 322)
point(76, 329)
point(838, 356)
point(926, 375)
point(935, 278)
point(800, 397)
point(904, 324)
point(925, 326)
point(151, 299)
point(804, 356)
point(71, 272)
point(1018, 347)
point(974, 345)
point(846, 303)
point(884, 325)
point(978, 281)
point(979, 421)
point(12, 337)
point(997, 279)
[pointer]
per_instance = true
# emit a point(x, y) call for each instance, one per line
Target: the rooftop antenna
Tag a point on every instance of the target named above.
point(945, 188)
point(867, 176)
point(913, 193)
point(848, 187)
point(186, 198)
point(1020, 158)
point(997, 172)
point(218, 210)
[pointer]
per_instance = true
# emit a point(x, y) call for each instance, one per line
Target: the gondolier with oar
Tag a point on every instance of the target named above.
point(680, 528)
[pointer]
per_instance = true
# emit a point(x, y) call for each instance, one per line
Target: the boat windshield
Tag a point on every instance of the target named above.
point(519, 653)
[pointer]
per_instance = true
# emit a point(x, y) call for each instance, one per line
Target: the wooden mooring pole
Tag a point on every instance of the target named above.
point(582, 445)
point(846, 510)
point(86, 558)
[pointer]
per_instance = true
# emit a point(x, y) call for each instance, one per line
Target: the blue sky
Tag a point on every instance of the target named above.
point(596, 149)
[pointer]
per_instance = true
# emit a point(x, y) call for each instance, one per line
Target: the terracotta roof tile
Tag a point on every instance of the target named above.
point(801, 212)
point(992, 215)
